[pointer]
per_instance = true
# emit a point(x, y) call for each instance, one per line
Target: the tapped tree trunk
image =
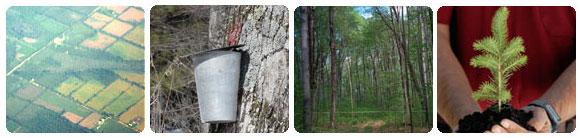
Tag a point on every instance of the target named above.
point(334, 77)
point(305, 69)
point(263, 98)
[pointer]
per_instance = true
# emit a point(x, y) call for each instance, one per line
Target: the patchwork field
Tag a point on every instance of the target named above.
point(16, 105)
point(69, 85)
point(136, 35)
point(52, 122)
point(126, 100)
point(126, 51)
point(67, 105)
point(87, 91)
point(108, 94)
point(133, 77)
point(72, 117)
point(91, 120)
point(29, 93)
point(73, 69)
point(135, 113)
point(77, 33)
point(98, 41)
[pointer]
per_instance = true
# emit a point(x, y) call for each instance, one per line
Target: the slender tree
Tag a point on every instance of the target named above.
point(334, 77)
point(305, 69)
point(312, 53)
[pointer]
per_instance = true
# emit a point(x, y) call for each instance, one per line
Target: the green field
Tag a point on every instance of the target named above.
point(126, 51)
point(53, 26)
point(14, 84)
point(87, 91)
point(112, 126)
point(108, 94)
point(16, 105)
point(66, 104)
point(77, 33)
point(30, 92)
point(131, 76)
point(69, 85)
point(24, 49)
point(136, 36)
point(128, 98)
point(63, 15)
point(51, 80)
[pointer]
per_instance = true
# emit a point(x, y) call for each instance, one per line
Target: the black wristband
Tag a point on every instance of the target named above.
point(552, 115)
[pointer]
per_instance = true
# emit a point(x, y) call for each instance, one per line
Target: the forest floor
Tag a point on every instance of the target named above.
point(372, 126)
point(375, 125)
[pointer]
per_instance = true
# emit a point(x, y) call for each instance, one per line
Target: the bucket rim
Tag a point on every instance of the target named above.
point(211, 50)
point(217, 49)
point(199, 57)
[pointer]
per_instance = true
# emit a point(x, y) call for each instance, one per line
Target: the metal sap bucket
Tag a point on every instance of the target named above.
point(217, 74)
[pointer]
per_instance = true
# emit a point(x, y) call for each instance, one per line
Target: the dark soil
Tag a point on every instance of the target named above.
point(480, 122)
point(443, 127)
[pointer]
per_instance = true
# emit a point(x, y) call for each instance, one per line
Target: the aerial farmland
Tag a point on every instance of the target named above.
point(75, 69)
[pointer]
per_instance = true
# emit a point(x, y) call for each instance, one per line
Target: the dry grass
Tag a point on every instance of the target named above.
point(176, 31)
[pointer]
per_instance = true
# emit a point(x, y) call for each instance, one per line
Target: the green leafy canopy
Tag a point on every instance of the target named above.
point(501, 56)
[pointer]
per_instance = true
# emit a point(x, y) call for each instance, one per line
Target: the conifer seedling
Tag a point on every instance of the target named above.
point(501, 57)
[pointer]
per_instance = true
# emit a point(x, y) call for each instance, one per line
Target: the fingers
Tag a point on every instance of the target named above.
point(511, 127)
point(498, 129)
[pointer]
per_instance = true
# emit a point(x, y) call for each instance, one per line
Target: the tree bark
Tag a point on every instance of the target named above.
point(263, 97)
point(422, 67)
point(333, 65)
point(350, 83)
point(312, 54)
point(305, 68)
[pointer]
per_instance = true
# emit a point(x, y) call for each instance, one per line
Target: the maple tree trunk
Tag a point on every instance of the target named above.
point(263, 98)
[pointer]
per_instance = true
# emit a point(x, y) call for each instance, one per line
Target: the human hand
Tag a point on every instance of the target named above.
point(540, 121)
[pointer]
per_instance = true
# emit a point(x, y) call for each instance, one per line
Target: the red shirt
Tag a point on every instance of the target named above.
point(549, 41)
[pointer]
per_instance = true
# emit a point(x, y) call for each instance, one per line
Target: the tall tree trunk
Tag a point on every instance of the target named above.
point(399, 32)
point(263, 97)
point(305, 68)
point(350, 83)
point(421, 65)
point(365, 76)
point(359, 82)
point(320, 83)
point(333, 65)
point(313, 54)
point(377, 80)
point(339, 81)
